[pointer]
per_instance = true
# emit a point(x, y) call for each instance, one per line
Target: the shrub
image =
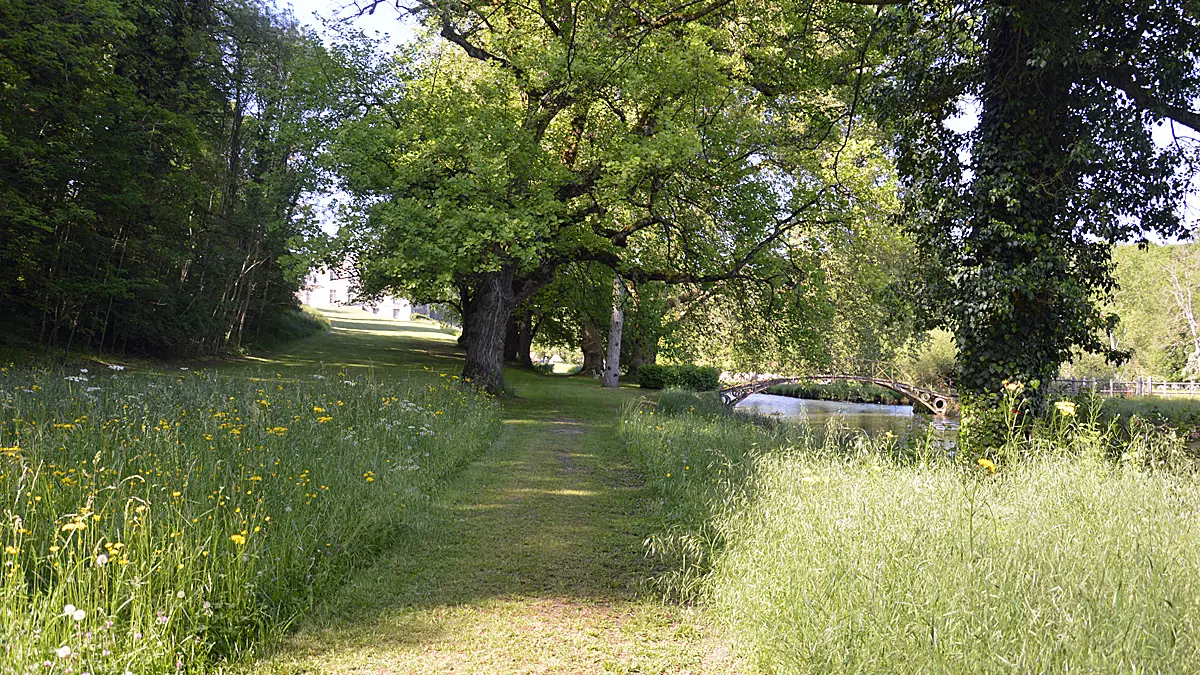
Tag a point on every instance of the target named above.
point(853, 392)
point(695, 378)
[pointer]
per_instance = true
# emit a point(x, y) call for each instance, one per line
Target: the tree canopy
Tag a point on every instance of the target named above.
point(153, 163)
point(681, 144)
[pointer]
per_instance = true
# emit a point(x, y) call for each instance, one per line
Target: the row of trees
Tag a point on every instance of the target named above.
point(725, 152)
point(155, 157)
point(598, 157)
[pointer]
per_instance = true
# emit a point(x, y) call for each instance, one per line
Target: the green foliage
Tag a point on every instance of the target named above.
point(1158, 288)
point(191, 516)
point(1061, 166)
point(853, 392)
point(686, 376)
point(860, 554)
point(154, 159)
point(689, 149)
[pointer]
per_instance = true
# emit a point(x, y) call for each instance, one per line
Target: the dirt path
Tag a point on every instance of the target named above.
point(531, 563)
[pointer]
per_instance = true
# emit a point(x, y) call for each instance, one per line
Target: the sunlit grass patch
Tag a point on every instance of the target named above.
point(156, 522)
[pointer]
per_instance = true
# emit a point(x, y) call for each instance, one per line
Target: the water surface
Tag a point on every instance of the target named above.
point(872, 418)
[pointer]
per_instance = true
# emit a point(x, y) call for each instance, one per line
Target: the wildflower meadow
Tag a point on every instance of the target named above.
point(161, 522)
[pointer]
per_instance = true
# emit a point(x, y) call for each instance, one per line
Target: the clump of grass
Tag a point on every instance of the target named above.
point(154, 523)
point(1073, 548)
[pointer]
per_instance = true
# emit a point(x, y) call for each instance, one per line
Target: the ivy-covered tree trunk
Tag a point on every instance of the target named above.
point(484, 325)
point(593, 349)
point(1024, 300)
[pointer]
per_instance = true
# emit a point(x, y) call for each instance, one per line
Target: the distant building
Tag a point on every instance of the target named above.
point(326, 288)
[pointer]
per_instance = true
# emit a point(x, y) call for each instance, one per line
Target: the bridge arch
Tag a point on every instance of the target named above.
point(937, 403)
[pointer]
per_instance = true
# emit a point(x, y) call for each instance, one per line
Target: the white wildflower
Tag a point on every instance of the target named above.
point(63, 652)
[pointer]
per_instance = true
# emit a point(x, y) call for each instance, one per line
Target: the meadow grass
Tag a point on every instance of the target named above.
point(1180, 413)
point(158, 522)
point(1073, 550)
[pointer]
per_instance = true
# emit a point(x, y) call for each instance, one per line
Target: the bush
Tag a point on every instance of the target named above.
point(852, 392)
point(695, 378)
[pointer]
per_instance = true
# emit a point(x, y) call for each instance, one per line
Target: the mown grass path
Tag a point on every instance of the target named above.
point(531, 562)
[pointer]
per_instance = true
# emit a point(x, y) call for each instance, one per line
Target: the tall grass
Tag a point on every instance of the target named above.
point(157, 523)
point(1078, 553)
point(1180, 413)
point(289, 326)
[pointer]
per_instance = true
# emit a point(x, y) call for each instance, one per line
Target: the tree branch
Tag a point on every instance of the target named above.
point(1145, 99)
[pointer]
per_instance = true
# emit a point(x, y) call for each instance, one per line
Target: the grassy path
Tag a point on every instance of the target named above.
point(530, 563)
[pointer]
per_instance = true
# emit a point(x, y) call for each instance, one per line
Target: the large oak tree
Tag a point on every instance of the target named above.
point(670, 141)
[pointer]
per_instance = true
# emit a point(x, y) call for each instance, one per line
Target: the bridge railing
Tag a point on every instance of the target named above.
point(871, 370)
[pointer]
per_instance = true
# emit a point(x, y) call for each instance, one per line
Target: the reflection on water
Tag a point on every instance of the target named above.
point(870, 417)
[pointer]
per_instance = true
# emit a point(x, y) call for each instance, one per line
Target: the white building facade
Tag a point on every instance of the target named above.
point(332, 289)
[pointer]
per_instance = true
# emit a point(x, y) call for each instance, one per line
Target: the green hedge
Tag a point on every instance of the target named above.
point(695, 378)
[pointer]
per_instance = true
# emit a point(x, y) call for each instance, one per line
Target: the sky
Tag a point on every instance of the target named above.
point(385, 20)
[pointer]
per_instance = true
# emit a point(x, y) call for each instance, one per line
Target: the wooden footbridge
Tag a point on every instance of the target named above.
point(936, 401)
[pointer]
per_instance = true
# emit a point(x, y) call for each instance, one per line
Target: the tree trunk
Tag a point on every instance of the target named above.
point(484, 326)
point(593, 351)
point(464, 308)
point(511, 339)
point(527, 329)
point(612, 364)
point(643, 352)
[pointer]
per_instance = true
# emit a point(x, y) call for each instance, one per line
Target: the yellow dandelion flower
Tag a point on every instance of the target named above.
point(238, 539)
point(1065, 408)
point(987, 464)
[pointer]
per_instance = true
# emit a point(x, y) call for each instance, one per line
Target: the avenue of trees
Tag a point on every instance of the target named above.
point(759, 185)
